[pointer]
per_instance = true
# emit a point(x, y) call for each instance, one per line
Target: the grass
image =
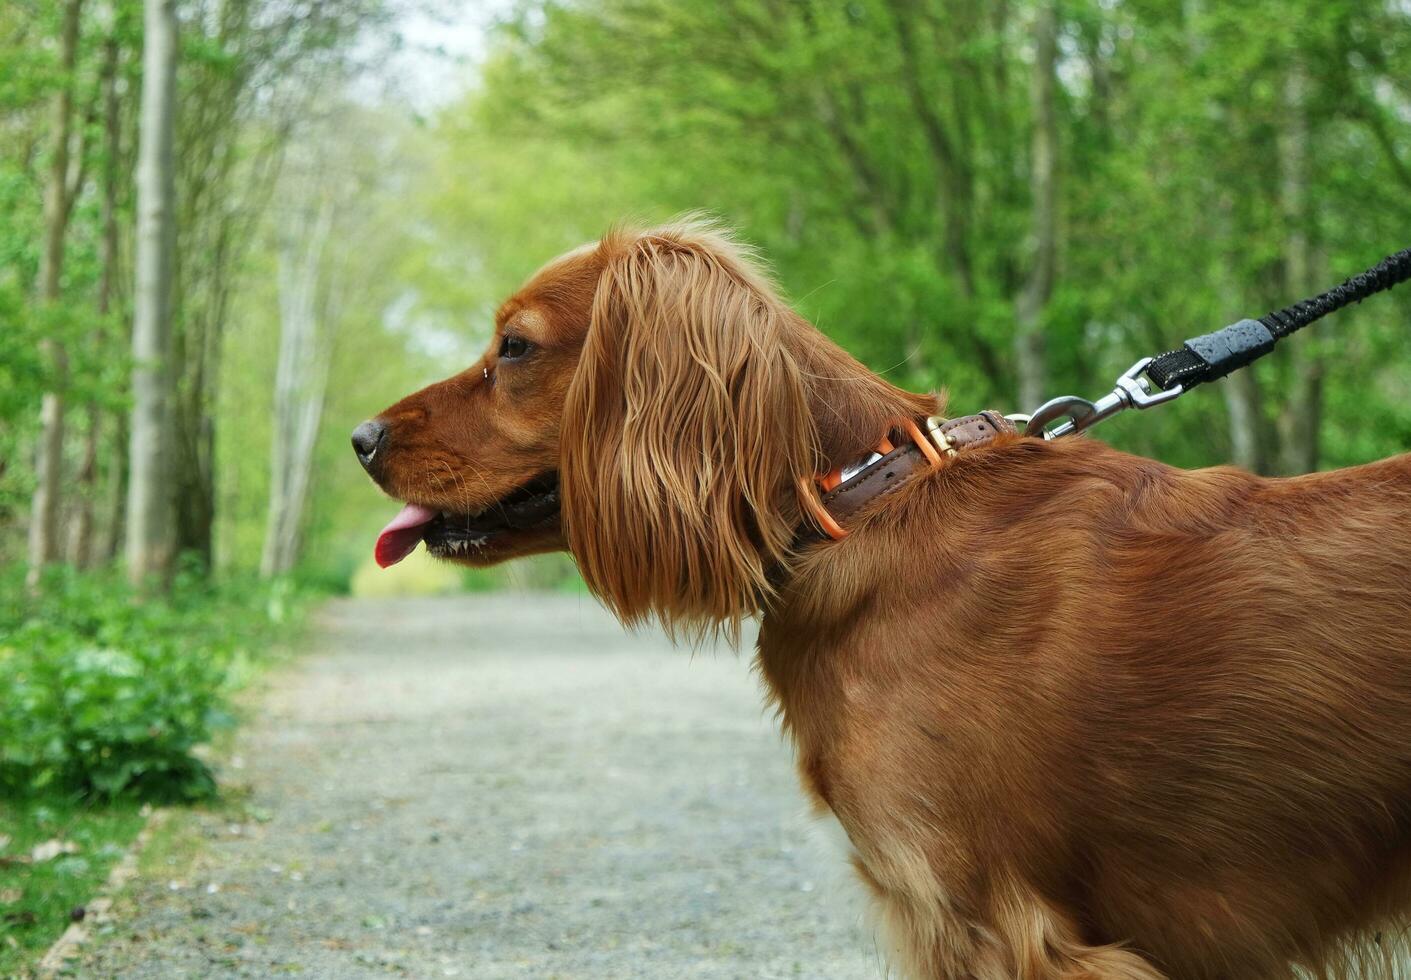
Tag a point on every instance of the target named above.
point(38, 898)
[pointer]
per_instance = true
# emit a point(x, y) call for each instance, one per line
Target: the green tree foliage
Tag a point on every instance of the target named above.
point(249, 71)
point(1217, 161)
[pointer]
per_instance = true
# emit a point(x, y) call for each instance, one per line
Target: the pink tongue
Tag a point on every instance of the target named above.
point(400, 538)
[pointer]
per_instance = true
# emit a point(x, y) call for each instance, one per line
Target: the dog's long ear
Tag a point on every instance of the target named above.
point(685, 432)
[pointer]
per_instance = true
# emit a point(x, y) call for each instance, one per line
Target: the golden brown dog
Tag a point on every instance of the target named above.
point(1081, 714)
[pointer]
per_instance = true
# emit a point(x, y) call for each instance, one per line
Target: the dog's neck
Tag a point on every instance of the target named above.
point(852, 408)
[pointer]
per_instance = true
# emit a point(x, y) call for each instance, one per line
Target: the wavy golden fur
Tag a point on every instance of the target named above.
point(1080, 714)
point(690, 418)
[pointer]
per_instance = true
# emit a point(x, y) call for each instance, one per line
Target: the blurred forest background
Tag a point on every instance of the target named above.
point(1009, 200)
point(229, 232)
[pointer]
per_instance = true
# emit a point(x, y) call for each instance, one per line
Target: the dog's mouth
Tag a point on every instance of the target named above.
point(448, 534)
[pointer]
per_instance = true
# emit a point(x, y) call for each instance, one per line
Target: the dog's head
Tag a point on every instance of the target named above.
point(648, 403)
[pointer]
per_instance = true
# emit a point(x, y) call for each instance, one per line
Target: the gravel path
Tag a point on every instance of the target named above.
point(502, 787)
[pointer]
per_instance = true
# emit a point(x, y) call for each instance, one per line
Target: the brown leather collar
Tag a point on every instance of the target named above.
point(895, 467)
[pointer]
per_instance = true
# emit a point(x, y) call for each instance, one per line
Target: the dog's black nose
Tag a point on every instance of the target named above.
point(367, 441)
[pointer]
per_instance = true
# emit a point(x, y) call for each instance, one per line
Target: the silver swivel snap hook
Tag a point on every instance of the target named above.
point(1131, 391)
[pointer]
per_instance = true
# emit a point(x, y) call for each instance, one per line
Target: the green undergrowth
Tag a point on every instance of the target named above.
point(109, 702)
point(110, 696)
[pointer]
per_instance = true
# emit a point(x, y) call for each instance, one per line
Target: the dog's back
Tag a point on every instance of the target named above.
point(1252, 736)
point(1173, 709)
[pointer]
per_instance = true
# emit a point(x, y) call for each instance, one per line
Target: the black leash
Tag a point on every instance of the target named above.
point(1156, 380)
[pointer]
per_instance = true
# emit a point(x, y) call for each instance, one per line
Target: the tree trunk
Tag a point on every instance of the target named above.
point(1043, 182)
point(81, 528)
point(1242, 402)
point(300, 380)
point(1302, 415)
point(149, 501)
point(44, 514)
point(217, 222)
point(112, 518)
point(1301, 421)
point(81, 550)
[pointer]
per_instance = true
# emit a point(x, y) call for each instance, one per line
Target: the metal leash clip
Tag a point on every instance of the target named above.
point(1132, 391)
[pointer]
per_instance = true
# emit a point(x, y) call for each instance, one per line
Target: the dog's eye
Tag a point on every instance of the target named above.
point(513, 348)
